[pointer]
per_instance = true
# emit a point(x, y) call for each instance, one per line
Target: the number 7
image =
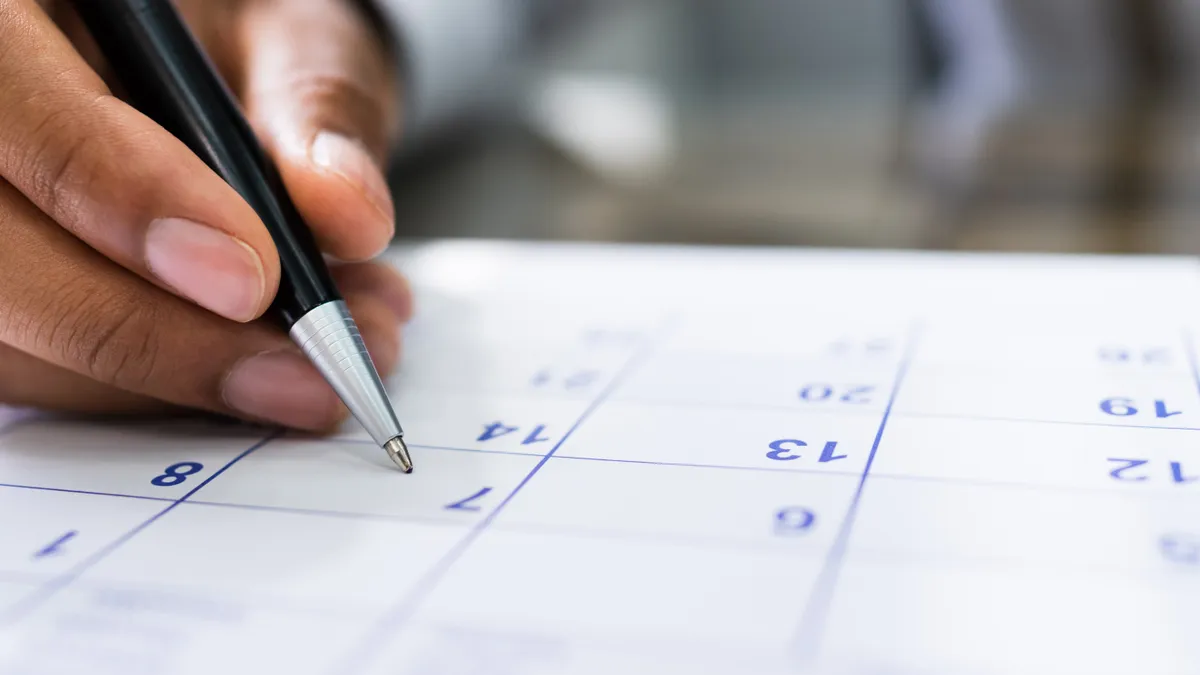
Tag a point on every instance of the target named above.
point(465, 505)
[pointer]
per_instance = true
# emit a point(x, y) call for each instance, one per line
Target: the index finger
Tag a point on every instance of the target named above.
point(120, 182)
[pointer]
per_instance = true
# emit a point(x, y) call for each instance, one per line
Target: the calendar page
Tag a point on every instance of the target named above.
point(656, 460)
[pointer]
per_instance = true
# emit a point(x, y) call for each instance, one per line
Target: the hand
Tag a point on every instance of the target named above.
point(132, 278)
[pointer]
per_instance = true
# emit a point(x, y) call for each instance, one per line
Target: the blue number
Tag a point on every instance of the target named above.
point(827, 453)
point(1160, 409)
point(1121, 407)
point(495, 430)
point(823, 392)
point(855, 392)
point(465, 505)
point(847, 346)
point(1117, 354)
point(577, 380)
point(1183, 549)
point(794, 520)
point(1128, 464)
point(1125, 355)
point(1177, 474)
point(784, 450)
point(498, 429)
point(55, 547)
point(177, 473)
point(1124, 407)
point(534, 436)
point(783, 454)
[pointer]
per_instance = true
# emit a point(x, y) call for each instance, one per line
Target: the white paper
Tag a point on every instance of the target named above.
point(648, 460)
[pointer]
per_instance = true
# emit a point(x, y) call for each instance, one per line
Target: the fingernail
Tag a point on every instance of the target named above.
point(215, 270)
point(281, 387)
point(352, 162)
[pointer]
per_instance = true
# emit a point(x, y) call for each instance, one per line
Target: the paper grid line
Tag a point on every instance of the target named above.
point(394, 620)
point(57, 584)
point(811, 626)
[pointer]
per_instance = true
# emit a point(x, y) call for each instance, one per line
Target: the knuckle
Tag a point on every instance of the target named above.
point(351, 101)
point(58, 165)
point(110, 339)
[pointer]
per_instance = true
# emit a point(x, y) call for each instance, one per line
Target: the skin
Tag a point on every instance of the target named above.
point(133, 280)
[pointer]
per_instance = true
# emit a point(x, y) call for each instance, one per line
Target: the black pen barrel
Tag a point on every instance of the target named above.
point(167, 76)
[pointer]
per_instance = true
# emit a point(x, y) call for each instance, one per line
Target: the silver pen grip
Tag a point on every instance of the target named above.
point(330, 339)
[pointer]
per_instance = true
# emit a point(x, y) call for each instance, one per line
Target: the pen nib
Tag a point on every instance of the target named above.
point(398, 451)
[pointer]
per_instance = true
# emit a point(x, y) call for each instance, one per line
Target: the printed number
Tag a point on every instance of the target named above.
point(498, 429)
point(1124, 407)
point(787, 449)
point(1181, 548)
point(579, 380)
point(1153, 356)
point(466, 505)
point(1123, 472)
point(55, 547)
point(846, 346)
point(815, 393)
point(177, 473)
point(793, 520)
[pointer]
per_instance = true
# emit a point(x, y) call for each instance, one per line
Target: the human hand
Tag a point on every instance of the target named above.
point(133, 278)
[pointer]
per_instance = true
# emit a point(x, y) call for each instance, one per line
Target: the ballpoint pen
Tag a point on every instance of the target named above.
point(167, 75)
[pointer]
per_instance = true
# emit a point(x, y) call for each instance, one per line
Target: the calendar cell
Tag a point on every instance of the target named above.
point(782, 511)
point(1038, 455)
point(1000, 620)
point(130, 631)
point(534, 369)
point(157, 461)
point(1081, 398)
point(263, 557)
point(564, 586)
point(1103, 350)
point(762, 439)
point(359, 479)
point(814, 385)
point(1016, 526)
point(62, 529)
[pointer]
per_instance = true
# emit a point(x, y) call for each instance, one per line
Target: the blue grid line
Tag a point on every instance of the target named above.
point(348, 515)
point(395, 619)
point(1019, 420)
point(60, 582)
point(42, 488)
point(809, 632)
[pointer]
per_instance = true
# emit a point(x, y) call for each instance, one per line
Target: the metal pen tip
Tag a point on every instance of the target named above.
point(398, 451)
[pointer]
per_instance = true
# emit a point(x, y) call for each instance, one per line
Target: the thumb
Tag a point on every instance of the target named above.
point(320, 87)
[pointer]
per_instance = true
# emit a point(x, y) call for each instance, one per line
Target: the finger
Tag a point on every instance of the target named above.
point(120, 182)
point(320, 88)
point(66, 305)
point(28, 382)
point(378, 280)
point(255, 386)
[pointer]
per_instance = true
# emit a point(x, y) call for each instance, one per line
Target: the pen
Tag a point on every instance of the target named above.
point(170, 79)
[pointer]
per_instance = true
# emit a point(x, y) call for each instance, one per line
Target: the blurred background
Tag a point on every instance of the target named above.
point(1031, 125)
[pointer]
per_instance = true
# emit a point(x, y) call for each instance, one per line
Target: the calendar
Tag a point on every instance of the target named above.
point(656, 460)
